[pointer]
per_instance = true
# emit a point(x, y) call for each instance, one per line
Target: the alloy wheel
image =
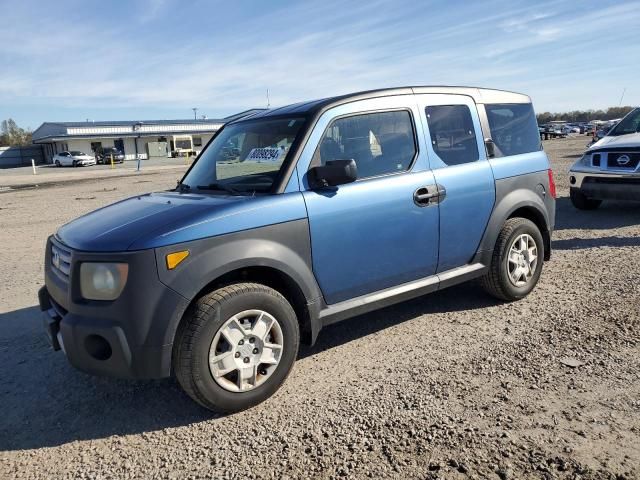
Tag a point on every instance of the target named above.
point(523, 259)
point(246, 350)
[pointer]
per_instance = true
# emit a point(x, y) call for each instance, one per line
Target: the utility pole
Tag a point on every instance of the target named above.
point(623, 92)
point(195, 113)
point(268, 101)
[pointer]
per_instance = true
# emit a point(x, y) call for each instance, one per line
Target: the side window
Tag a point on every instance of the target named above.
point(380, 143)
point(514, 129)
point(452, 133)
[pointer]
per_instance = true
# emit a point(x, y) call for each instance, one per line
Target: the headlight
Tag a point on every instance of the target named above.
point(103, 281)
point(585, 160)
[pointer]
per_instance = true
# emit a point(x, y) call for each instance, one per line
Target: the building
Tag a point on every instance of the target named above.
point(136, 139)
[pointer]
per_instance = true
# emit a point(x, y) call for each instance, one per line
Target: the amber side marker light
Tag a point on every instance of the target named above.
point(174, 259)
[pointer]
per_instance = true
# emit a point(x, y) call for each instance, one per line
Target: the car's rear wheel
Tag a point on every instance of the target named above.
point(517, 260)
point(236, 346)
point(581, 201)
point(74, 164)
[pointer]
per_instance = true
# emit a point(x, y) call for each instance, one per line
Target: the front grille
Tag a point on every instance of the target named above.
point(624, 160)
point(612, 181)
point(60, 261)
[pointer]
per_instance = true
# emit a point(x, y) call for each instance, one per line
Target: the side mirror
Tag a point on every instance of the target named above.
point(333, 173)
point(491, 147)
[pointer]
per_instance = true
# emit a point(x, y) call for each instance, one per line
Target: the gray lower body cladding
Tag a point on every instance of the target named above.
point(523, 195)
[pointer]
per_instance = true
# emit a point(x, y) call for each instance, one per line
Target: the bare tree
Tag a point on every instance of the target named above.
point(584, 115)
point(12, 135)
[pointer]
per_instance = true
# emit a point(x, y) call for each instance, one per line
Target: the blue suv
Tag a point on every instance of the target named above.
point(293, 219)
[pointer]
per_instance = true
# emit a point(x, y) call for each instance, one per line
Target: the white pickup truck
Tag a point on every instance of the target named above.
point(610, 168)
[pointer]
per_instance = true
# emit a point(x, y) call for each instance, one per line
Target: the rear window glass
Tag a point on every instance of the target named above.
point(514, 129)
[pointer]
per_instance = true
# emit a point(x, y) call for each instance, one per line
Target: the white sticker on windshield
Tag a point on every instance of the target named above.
point(268, 154)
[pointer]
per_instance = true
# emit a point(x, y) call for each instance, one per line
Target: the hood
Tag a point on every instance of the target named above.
point(624, 141)
point(160, 219)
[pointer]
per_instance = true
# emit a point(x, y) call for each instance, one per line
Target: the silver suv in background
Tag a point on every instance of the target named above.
point(610, 168)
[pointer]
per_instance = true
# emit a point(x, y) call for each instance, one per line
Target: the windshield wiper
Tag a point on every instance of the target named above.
point(183, 187)
point(223, 187)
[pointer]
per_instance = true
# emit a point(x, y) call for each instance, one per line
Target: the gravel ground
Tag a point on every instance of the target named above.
point(451, 385)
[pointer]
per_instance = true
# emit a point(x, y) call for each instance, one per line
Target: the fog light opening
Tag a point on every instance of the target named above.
point(98, 347)
point(572, 180)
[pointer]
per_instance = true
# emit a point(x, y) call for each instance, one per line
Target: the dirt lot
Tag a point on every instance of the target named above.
point(452, 385)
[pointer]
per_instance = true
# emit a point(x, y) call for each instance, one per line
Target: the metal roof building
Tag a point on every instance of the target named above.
point(131, 137)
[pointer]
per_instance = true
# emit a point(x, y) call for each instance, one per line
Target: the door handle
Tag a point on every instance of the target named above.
point(429, 195)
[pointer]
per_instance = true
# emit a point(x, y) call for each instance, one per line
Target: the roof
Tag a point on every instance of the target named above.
point(479, 95)
point(49, 131)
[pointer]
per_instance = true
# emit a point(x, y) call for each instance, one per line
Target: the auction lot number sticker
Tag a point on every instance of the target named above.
point(267, 154)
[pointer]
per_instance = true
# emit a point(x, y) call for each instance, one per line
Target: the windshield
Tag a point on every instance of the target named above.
point(245, 156)
point(76, 153)
point(629, 124)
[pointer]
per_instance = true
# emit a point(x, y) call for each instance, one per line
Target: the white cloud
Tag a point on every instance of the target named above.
point(307, 51)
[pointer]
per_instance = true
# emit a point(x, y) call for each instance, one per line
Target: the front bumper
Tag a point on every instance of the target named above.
point(130, 337)
point(606, 186)
point(85, 162)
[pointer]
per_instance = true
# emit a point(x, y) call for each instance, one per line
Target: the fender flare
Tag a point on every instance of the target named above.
point(284, 250)
point(512, 201)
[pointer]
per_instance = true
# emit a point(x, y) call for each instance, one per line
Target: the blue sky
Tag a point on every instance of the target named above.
point(152, 59)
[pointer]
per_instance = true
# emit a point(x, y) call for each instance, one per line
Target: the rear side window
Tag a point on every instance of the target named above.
point(514, 129)
point(453, 137)
point(380, 143)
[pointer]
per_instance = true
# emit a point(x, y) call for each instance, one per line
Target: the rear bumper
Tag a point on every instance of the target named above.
point(131, 337)
point(607, 186)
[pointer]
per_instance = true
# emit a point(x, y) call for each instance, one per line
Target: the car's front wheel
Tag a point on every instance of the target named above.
point(517, 260)
point(236, 346)
point(58, 163)
point(581, 201)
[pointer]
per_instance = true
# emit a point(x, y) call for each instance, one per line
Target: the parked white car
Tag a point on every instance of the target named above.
point(73, 159)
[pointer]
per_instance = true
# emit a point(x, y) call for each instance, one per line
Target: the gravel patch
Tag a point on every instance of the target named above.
point(450, 385)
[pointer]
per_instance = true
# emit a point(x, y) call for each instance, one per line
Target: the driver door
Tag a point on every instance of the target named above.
point(370, 235)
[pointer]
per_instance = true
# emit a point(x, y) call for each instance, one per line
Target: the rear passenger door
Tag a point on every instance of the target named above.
point(457, 157)
point(371, 234)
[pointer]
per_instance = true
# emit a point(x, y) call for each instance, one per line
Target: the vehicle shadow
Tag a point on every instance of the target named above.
point(47, 403)
point(581, 243)
point(610, 214)
point(464, 297)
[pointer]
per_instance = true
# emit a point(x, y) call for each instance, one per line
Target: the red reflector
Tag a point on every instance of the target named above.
point(552, 184)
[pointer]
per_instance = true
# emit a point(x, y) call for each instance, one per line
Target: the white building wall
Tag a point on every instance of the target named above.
point(84, 145)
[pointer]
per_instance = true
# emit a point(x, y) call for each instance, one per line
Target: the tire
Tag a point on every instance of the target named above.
point(581, 201)
point(74, 164)
point(58, 163)
point(498, 281)
point(204, 323)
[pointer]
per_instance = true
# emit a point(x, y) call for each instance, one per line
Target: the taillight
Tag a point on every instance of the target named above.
point(552, 184)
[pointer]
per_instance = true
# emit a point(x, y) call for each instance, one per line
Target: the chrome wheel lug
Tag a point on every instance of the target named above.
point(237, 355)
point(246, 360)
point(255, 351)
point(252, 340)
point(241, 342)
